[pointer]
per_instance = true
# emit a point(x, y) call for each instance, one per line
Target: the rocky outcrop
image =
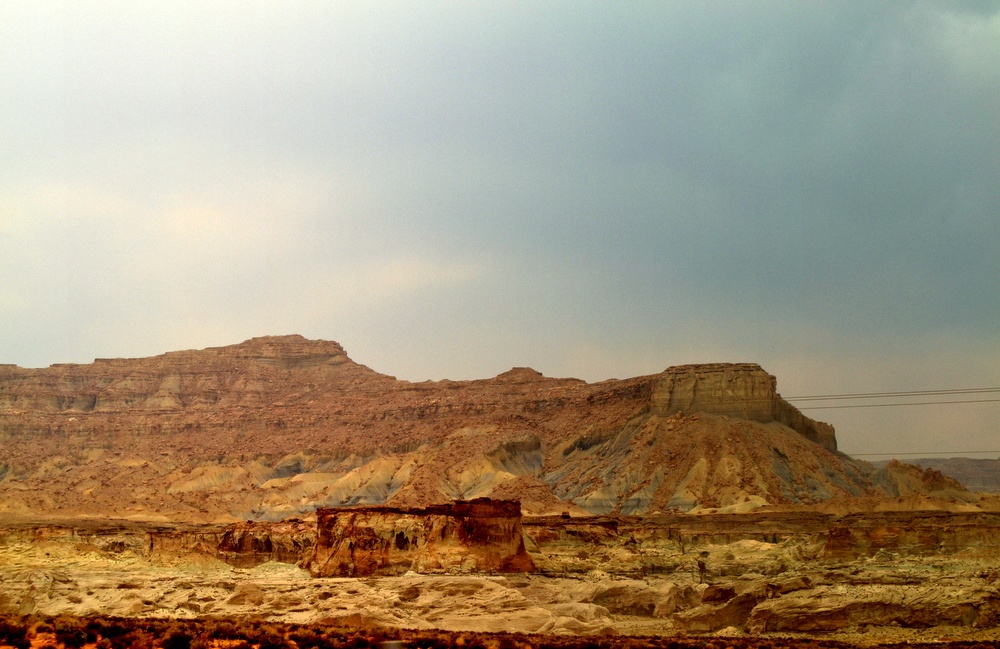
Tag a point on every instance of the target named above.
point(277, 426)
point(481, 535)
point(905, 534)
point(742, 390)
point(981, 475)
point(832, 608)
point(249, 544)
point(897, 478)
point(771, 542)
point(663, 576)
point(242, 545)
point(699, 463)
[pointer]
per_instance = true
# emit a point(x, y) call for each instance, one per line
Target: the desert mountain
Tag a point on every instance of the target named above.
point(278, 426)
point(975, 474)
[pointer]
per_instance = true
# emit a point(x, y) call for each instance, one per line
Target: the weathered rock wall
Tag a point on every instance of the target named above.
point(742, 390)
point(908, 534)
point(242, 545)
point(637, 546)
point(274, 427)
point(733, 574)
point(481, 535)
point(250, 544)
point(109, 539)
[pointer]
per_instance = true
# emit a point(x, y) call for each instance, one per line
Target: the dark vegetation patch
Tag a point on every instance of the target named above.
point(68, 632)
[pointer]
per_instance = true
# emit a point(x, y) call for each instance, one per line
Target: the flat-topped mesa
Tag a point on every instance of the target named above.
point(741, 390)
point(288, 352)
point(480, 535)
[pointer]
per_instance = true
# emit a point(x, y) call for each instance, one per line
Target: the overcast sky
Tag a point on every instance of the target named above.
point(450, 189)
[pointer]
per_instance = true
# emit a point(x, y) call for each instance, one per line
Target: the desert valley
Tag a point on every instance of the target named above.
point(278, 482)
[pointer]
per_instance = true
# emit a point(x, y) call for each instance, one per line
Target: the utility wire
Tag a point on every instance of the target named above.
point(882, 395)
point(898, 394)
point(858, 396)
point(861, 396)
point(889, 405)
point(926, 453)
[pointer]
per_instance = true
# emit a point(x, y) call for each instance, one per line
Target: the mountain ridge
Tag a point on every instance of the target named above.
point(280, 425)
point(976, 474)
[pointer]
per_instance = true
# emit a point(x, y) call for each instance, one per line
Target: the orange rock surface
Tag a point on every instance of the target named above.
point(278, 426)
point(481, 535)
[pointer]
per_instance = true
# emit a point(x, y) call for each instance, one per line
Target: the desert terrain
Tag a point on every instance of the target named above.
point(278, 482)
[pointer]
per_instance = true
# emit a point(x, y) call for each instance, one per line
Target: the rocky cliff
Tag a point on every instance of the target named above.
point(899, 577)
point(481, 535)
point(742, 390)
point(279, 426)
point(982, 475)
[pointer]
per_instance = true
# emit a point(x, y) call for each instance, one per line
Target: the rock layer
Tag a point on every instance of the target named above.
point(481, 535)
point(728, 574)
point(278, 426)
point(742, 390)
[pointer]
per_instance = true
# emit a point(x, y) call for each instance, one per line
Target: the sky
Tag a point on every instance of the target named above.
point(451, 189)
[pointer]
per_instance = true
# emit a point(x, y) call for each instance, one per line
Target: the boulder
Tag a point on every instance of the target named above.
point(480, 535)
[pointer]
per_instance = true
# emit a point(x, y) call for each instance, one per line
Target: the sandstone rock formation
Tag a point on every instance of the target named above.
point(764, 574)
point(250, 544)
point(276, 427)
point(901, 479)
point(980, 475)
point(150, 487)
point(481, 535)
point(741, 390)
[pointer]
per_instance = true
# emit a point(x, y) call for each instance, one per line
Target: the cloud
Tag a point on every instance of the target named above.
point(410, 276)
point(453, 190)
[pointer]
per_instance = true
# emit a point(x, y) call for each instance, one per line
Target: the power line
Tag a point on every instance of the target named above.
point(881, 395)
point(858, 396)
point(926, 453)
point(905, 403)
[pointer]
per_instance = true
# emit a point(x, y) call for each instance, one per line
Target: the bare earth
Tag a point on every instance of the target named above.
point(595, 577)
point(694, 502)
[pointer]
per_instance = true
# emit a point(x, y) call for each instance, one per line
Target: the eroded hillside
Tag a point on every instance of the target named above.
point(279, 426)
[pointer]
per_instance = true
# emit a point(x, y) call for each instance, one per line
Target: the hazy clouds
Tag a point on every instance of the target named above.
point(451, 189)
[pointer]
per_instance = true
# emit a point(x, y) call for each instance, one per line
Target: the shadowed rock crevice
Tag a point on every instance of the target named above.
point(481, 535)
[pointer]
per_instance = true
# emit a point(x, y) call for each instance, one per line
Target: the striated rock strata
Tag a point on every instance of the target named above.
point(907, 576)
point(481, 535)
point(741, 390)
point(275, 427)
point(243, 545)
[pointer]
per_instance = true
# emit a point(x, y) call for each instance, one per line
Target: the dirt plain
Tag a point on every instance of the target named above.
point(693, 508)
point(784, 577)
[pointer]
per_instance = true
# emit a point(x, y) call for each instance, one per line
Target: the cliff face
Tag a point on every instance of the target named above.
point(902, 576)
point(276, 427)
point(480, 535)
point(742, 390)
point(249, 544)
point(979, 475)
point(903, 533)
